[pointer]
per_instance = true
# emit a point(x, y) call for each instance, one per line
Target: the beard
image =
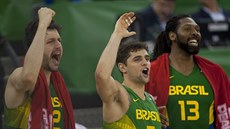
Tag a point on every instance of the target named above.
point(48, 66)
point(52, 69)
point(190, 49)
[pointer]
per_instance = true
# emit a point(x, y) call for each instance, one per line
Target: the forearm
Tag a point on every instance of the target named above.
point(108, 57)
point(107, 87)
point(34, 55)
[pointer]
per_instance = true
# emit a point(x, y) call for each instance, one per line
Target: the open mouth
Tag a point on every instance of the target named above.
point(56, 56)
point(145, 71)
point(193, 42)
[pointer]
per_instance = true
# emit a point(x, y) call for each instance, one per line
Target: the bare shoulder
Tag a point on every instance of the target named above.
point(117, 108)
point(14, 77)
point(14, 96)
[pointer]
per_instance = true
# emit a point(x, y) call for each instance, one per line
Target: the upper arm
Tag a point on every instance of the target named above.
point(115, 99)
point(16, 89)
point(107, 89)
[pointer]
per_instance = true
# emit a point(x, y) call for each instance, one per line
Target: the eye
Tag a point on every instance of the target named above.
point(198, 29)
point(147, 58)
point(137, 59)
point(50, 41)
point(59, 39)
point(187, 28)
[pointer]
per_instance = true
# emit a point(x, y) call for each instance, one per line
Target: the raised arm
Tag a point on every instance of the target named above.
point(106, 85)
point(114, 97)
point(22, 81)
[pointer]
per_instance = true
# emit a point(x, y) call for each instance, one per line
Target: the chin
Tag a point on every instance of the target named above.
point(146, 81)
point(194, 51)
point(54, 69)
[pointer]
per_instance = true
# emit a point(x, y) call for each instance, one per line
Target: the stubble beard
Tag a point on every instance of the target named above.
point(47, 66)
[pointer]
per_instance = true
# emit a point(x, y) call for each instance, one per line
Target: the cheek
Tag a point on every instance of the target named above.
point(149, 64)
point(62, 50)
point(47, 52)
point(46, 55)
point(181, 37)
point(135, 68)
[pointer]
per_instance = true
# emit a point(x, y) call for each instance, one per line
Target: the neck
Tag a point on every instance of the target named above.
point(47, 74)
point(137, 88)
point(182, 63)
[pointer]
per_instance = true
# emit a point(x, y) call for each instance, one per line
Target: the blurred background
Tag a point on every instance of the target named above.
point(86, 29)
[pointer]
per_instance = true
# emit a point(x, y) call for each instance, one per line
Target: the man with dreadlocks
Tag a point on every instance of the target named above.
point(194, 90)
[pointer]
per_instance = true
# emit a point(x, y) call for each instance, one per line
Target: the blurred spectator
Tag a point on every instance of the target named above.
point(8, 49)
point(151, 21)
point(1, 93)
point(211, 12)
point(5, 47)
point(48, 2)
point(2, 74)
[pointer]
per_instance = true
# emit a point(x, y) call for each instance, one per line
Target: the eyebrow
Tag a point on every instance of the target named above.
point(139, 56)
point(147, 55)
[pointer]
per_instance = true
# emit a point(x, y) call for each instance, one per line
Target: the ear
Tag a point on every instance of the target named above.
point(122, 67)
point(172, 36)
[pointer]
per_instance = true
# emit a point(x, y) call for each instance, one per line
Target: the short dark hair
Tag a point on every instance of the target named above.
point(124, 50)
point(31, 29)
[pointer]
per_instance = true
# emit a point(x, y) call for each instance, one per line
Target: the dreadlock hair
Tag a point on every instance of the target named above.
point(163, 43)
point(32, 27)
point(124, 51)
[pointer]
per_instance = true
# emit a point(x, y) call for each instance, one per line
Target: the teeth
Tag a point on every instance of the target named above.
point(56, 52)
point(193, 41)
point(55, 61)
point(145, 71)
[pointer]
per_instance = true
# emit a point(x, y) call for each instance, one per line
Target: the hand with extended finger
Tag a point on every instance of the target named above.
point(45, 16)
point(123, 23)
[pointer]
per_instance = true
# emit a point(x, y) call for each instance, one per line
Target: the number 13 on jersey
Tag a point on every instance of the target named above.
point(193, 109)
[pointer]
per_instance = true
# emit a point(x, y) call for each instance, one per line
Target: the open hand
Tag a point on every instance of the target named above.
point(123, 23)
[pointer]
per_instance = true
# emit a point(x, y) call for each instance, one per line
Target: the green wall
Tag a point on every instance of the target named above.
point(86, 30)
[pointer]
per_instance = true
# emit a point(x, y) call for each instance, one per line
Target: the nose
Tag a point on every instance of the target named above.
point(195, 32)
point(145, 62)
point(58, 44)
